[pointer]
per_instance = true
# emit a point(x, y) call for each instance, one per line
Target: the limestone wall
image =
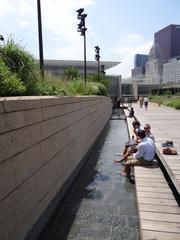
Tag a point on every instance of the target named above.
point(42, 140)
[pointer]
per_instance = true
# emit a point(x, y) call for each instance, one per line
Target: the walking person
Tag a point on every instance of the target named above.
point(146, 101)
point(141, 101)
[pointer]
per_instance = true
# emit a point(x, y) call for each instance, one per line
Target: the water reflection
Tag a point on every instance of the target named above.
point(101, 204)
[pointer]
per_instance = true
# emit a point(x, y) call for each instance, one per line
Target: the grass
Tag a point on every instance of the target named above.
point(171, 101)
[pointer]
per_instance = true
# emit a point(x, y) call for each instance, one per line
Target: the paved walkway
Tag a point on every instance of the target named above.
point(165, 124)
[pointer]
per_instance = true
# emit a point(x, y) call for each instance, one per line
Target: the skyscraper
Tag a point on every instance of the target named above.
point(167, 42)
point(140, 60)
point(166, 46)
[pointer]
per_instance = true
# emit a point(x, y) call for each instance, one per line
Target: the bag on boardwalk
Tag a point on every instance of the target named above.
point(169, 151)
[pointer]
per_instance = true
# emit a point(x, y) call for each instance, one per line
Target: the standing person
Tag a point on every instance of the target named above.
point(142, 157)
point(146, 101)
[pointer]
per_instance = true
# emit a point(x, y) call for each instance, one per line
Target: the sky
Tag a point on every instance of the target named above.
point(121, 28)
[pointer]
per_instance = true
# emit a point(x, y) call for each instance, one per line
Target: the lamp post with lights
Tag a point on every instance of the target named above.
point(97, 57)
point(82, 29)
point(2, 38)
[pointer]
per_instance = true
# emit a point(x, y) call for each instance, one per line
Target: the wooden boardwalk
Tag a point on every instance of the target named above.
point(165, 122)
point(159, 212)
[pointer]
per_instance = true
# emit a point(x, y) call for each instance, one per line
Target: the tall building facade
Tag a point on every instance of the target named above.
point(138, 72)
point(171, 72)
point(167, 41)
point(140, 60)
point(166, 46)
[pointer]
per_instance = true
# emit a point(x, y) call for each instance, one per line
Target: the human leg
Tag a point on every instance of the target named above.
point(134, 162)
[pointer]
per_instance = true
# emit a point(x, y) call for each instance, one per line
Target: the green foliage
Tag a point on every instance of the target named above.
point(10, 84)
point(103, 79)
point(71, 73)
point(19, 75)
point(166, 100)
point(18, 60)
point(22, 64)
point(167, 92)
point(172, 102)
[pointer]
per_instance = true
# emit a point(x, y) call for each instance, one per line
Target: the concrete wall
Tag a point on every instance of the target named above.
point(42, 141)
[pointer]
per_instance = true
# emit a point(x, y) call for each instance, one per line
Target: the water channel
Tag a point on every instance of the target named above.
point(101, 204)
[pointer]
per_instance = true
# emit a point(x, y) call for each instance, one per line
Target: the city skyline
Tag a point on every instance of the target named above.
point(121, 29)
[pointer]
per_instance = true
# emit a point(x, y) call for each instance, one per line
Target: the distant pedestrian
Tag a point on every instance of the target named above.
point(146, 101)
point(141, 100)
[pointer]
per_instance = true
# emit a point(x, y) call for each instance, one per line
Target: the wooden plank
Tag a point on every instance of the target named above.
point(165, 202)
point(152, 184)
point(177, 177)
point(156, 195)
point(159, 208)
point(150, 175)
point(155, 235)
point(162, 217)
point(174, 167)
point(147, 169)
point(160, 226)
point(153, 189)
point(145, 179)
point(176, 172)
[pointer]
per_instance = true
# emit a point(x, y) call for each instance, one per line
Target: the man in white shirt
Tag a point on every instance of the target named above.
point(144, 155)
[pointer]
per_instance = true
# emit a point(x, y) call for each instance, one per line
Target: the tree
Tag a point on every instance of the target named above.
point(71, 73)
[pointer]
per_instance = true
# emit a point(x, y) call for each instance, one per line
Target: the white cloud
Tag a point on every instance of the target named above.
point(126, 52)
point(60, 37)
point(134, 37)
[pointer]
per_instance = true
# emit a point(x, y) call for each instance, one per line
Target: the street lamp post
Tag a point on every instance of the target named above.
point(40, 38)
point(82, 29)
point(97, 57)
point(102, 69)
point(2, 38)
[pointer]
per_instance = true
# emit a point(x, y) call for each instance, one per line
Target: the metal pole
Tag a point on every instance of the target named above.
point(98, 70)
point(40, 39)
point(85, 57)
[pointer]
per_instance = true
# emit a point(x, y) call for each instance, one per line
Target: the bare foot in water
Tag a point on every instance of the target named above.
point(123, 173)
point(118, 161)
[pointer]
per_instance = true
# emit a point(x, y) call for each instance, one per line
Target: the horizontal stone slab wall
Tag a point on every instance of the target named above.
point(42, 141)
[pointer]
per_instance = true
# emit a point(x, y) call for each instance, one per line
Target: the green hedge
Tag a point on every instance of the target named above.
point(19, 75)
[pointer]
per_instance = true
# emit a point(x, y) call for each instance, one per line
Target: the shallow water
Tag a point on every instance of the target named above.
point(102, 204)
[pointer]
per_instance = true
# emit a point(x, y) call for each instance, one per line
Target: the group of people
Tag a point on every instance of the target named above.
point(140, 151)
point(143, 101)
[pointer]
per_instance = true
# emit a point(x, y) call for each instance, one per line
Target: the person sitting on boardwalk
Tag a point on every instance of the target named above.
point(135, 140)
point(131, 112)
point(142, 157)
point(147, 129)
